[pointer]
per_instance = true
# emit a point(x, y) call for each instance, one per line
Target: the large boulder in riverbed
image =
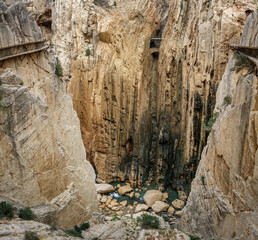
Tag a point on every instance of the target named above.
point(178, 204)
point(152, 196)
point(159, 206)
point(104, 188)
point(125, 189)
point(141, 207)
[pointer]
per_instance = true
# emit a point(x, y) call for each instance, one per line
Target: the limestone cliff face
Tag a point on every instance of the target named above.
point(42, 157)
point(224, 195)
point(193, 56)
point(142, 117)
point(113, 80)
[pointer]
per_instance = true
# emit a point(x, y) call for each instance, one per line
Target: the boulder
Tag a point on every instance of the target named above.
point(171, 210)
point(124, 189)
point(137, 195)
point(160, 206)
point(178, 204)
point(141, 207)
point(123, 203)
point(104, 188)
point(182, 196)
point(179, 213)
point(151, 196)
point(164, 196)
point(104, 198)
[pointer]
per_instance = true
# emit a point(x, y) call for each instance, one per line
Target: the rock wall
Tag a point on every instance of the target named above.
point(113, 80)
point(193, 56)
point(42, 157)
point(224, 195)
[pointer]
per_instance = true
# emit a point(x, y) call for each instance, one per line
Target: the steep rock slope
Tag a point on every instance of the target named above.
point(42, 157)
point(142, 117)
point(193, 56)
point(224, 195)
point(113, 80)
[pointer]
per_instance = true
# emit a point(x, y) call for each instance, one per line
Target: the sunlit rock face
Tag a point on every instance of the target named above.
point(142, 115)
point(42, 156)
point(224, 195)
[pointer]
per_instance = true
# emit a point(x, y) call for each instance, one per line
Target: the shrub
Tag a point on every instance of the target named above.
point(73, 232)
point(241, 62)
point(166, 219)
point(77, 231)
point(227, 100)
point(192, 237)
point(59, 70)
point(203, 179)
point(211, 121)
point(26, 213)
point(5, 16)
point(1, 82)
point(6, 210)
point(85, 226)
point(147, 221)
point(31, 236)
point(87, 52)
point(21, 83)
point(115, 3)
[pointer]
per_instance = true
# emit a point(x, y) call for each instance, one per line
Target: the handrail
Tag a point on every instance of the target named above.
point(24, 53)
point(22, 44)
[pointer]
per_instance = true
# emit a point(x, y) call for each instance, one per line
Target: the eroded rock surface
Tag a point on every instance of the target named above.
point(224, 196)
point(42, 157)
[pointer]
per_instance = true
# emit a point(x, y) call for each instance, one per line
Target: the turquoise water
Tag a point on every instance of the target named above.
point(172, 194)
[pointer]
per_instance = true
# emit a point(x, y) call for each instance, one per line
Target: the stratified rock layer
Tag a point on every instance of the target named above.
point(224, 195)
point(42, 157)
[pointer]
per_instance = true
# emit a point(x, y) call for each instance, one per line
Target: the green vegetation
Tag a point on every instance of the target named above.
point(31, 236)
point(59, 69)
point(1, 82)
point(147, 221)
point(241, 62)
point(87, 52)
point(211, 121)
point(77, 231)
point(166, 219)
point(5, 16)
point(192, 237)
point(116, 218)
point(115, 3)
point(26, 213)
point(227, 100)
point(6, 210)
point(21, 83)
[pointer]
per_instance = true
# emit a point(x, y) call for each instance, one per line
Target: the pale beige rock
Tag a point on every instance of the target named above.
point(160, 206)
point(178, 204)
point(171, 210)
point(42, 132)
point(164, 196)
point(151, 196)
point(124, 189)
point(104, 188)
point(141, 207)
point(123, 203)
point(137, 195)
point(178, 213)
point(114, 203)
point(104, 199)
point(225, 186)
point(182, 195)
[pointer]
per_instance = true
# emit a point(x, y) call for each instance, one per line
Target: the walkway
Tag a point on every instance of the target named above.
point(21, 49)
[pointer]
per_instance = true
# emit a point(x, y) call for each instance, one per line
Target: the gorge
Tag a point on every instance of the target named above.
point(94, 102)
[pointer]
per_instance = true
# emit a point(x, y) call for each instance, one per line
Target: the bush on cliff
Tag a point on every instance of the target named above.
point(77, 231)
point(147, 221)
point(26, 214)
point(6, 210)
point(31, 236)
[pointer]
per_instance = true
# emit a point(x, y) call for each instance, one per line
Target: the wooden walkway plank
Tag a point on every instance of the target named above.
point(22, 44)
point(24, 53)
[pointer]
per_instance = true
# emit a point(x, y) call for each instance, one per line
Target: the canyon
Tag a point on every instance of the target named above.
point(97, 104)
